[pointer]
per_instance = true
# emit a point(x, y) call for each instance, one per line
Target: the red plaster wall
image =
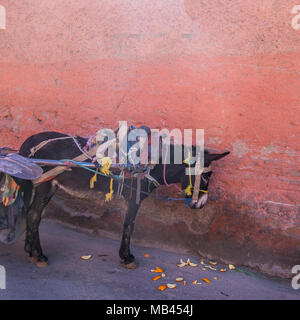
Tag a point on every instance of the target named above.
point(230, 67)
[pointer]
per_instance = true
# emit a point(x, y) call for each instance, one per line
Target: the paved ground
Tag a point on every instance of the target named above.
point(102, 277)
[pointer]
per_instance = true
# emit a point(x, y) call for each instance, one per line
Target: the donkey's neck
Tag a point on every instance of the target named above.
point(172, 173)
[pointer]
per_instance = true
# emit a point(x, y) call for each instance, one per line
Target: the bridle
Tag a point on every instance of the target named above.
point(198, 177)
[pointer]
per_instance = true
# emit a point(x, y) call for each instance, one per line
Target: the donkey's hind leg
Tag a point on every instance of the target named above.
point(127, 258)
point(42, 196)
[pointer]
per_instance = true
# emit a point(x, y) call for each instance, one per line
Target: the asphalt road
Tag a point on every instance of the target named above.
point(102, 277)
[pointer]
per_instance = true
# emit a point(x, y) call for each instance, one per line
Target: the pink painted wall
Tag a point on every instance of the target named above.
point(230, 67)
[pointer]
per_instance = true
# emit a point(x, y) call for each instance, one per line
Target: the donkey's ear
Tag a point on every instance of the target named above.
point(217, 156)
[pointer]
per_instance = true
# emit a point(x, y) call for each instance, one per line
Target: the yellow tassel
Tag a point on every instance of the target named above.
point(187, 160)
point(105, 165)
point(188, 190)
point(109, 195)
point(93, 180)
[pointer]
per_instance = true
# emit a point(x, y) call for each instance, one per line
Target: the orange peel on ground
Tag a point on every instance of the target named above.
point(146, 255)
point(206, 280)
point(179, 279)
point(86, 257)
point(162, 287)
point(157, 270)
point(188, 263)
point(156, 278)
point(181, 264)
point(211, 268)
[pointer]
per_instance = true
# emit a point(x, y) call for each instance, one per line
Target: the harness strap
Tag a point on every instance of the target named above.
point(35, 149)
point(121, 184)
point(151, 179)
point(197, 180)
point(138, 187)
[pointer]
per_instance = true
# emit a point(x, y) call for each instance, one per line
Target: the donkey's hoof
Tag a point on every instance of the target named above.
point(131, 265)
point(41, 264)
point(37, 262)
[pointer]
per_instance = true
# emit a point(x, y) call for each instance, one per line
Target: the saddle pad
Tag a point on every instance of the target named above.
point(20, 167)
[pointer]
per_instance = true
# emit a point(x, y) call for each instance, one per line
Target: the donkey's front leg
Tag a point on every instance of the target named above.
point(124, 252)
point(33, 247)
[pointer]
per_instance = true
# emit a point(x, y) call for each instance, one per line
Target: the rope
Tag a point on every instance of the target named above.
point(81, 149)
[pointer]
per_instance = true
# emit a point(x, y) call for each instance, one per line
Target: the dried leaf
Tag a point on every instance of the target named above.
point(231, 266)
point(194, 282)
point(184, 283)
point(215, 278)
point(203, 269)
point(206, 280)
point(171, 286)
point(223, 270)
point(163, 275)
point(179, 279)
point(213, 263)
point(156, 278)
point(202, 262)
point(86, 257)
point(162, 287)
